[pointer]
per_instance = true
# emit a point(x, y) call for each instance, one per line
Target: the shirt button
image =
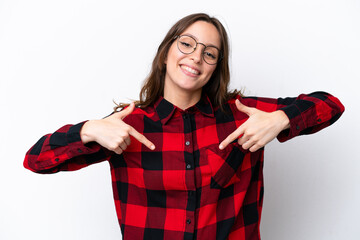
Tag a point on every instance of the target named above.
point(57, 159)
point(319, 120)
point(188, 221)
point(297, 127)
point(188, 166)
point(187, 143)
point(79, 150)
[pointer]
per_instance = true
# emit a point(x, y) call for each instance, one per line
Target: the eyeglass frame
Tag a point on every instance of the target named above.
point(202, 52)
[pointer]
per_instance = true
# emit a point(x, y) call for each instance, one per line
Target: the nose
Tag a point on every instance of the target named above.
point(197, 54)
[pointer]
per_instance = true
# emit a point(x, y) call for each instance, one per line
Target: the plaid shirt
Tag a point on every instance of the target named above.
point(186, 188)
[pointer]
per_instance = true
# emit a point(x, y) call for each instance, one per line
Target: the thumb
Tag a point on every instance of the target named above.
point(242, 108)
point(127, 111)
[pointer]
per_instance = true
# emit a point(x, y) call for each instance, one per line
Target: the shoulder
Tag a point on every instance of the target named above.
point(230, 112)
point(139, 114)
point(250, 101)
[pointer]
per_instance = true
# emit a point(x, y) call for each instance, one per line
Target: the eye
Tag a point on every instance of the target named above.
point(185, 44)
point(209, 55)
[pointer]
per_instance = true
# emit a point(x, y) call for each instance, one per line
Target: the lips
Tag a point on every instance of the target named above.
point(190, 70)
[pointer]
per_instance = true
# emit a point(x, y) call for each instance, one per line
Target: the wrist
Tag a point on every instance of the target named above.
point(283, 119)
point(85, 133)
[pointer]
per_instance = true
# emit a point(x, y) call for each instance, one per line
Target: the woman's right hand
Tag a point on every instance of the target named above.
point(112, 133)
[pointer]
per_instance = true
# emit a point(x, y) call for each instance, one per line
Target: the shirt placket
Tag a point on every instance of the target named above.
point(189, 175)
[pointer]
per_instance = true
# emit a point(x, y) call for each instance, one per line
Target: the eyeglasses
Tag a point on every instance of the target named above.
point(187, 45)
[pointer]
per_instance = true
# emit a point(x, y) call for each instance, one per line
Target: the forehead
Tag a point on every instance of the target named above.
point(204, 32)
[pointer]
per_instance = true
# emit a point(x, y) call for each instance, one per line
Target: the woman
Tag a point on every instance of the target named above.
point(187, 163)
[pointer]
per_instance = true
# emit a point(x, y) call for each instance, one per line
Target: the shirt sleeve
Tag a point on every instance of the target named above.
point(63, 150)
point(308, 113)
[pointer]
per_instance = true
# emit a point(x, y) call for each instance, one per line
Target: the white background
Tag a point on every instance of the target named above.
point(66, 61)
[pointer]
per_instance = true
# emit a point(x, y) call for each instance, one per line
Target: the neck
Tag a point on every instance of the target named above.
point(182, 99)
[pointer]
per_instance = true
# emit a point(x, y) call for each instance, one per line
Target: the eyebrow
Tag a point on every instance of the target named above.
point(208, 45)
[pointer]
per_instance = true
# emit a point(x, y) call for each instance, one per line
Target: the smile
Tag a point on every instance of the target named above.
point(190, 70)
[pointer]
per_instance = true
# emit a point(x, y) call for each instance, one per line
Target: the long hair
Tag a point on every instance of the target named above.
point(217, 86)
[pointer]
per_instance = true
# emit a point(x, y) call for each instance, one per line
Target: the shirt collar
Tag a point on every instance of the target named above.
point(165, 109)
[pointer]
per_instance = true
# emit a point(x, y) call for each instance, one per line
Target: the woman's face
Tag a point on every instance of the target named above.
point(189, 72)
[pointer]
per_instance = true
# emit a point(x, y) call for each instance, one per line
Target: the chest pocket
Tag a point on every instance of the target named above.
point(224, 164)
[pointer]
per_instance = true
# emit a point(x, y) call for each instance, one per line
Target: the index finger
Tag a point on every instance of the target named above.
point(141, 138)
point(235, 134)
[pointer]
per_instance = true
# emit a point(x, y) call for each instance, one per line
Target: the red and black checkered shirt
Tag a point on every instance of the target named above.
point(186, 188)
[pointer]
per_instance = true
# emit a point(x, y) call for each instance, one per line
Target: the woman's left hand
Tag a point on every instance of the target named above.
point(259, 129)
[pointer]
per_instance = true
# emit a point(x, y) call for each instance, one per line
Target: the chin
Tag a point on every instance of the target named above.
point(191, 84)
point(189, 87)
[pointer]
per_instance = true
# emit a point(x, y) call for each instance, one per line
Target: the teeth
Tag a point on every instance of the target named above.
point(193, 71)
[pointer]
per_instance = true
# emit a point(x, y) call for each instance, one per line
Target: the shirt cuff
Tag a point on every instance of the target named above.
point(76, 146)
point(297, 123)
